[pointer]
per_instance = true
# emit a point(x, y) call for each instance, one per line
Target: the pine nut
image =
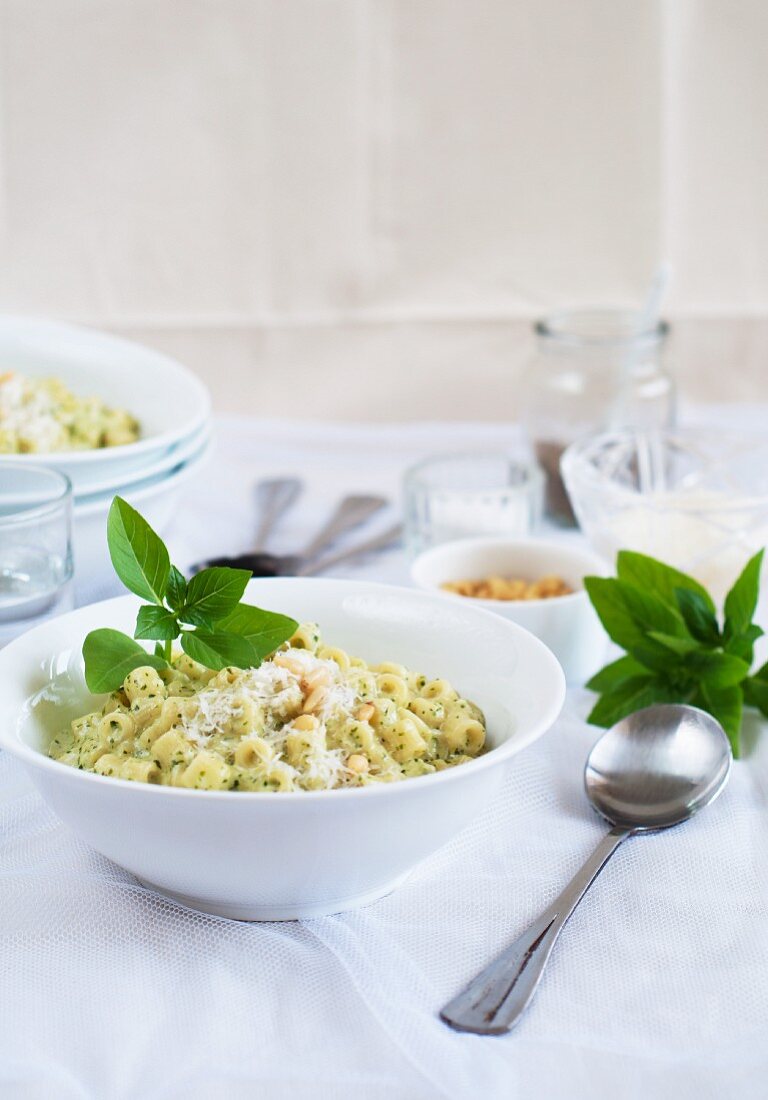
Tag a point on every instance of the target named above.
point(314, 700)
point(305, 722)
point(284, 660)
point(358, 763)
point(316, 678)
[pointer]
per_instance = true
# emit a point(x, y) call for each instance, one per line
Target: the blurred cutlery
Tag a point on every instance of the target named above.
point(386, 539)
point(274, 498)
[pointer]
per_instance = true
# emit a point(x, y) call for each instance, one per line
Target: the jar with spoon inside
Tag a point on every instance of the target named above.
point(593, 370)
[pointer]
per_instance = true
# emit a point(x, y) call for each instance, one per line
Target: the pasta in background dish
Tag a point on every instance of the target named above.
point(309, 718)
point(38, 415)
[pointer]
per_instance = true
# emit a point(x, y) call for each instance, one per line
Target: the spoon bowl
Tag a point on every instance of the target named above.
point(657, 767)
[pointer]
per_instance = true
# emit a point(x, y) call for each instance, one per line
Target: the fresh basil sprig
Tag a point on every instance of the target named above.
point(677, 651)
point(214, 627)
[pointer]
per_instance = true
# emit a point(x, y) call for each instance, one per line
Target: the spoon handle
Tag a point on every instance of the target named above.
point(274, 496)
point(495, 1000)
point(387, 538)
point(350, 513)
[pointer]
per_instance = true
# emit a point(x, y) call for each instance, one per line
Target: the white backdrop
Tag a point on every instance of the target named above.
point(371, 198)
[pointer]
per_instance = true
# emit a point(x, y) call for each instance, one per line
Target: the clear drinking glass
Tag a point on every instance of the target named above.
point(35, 547)
point(457, 496)
point(593, 370)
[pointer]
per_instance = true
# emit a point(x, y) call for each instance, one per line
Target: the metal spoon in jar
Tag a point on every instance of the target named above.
point(651, 770)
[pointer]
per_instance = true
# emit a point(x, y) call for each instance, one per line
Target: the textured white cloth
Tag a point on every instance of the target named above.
point(658, 987)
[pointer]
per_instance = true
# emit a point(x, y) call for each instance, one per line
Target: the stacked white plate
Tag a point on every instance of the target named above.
point(171, 405)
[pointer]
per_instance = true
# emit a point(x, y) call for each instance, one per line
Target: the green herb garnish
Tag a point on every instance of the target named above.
point(205, 612)
point(676, 649)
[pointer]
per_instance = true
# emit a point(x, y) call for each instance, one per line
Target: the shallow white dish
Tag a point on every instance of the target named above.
point(156, 498)
point(165, 465)
point(567, 624)
point(169, 402)
point(301, 854)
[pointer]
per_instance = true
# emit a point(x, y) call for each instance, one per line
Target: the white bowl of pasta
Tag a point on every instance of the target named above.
point(95, 406)
point(275, 844)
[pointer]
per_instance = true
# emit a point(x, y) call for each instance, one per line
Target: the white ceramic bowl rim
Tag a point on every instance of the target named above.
point(184, 453)
point(570, 554)
point(141, 491)
point(489, 759)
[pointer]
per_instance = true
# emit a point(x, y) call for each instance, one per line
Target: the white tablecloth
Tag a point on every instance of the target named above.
point(658, 987)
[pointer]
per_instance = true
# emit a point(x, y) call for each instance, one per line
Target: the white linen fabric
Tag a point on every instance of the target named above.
point(658, 987)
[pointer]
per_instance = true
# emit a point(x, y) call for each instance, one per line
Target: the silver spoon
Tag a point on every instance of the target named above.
point(651, 770)
point(383, 541)
point(274, 499)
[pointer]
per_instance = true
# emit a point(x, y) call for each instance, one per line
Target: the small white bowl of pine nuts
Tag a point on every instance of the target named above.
point(537, 583)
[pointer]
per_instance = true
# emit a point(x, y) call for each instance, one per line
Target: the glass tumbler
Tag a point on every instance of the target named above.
point(35, 547)
point(461, 495)
point(593, 370)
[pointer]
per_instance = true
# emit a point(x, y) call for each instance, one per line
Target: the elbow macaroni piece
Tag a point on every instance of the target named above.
point(309, 718)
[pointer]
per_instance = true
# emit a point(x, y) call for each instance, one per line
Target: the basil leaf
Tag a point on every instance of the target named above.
point(717, 670)
point(176, 592)
point(217, 651)
point(195, 618)
point(618, 614)
point(681, 646)
point(138, 555)
point(109, 656)
point(632, 695)
point(616, 674)
point(265, 630)
point(213, 593)
point(756, 694)
point(610, 606)
point(698, 616)
point(743, 645)
point(667, 623)
point(741, 601)
point(651, 613)
point(726, 705)
point(156, 623)
point(762, 674)
point(656, 577)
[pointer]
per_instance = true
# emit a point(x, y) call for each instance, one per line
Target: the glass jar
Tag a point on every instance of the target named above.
point(593, 370)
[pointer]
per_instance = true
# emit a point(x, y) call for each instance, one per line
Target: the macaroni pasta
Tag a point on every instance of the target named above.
point(40, 414)
point(310, 718)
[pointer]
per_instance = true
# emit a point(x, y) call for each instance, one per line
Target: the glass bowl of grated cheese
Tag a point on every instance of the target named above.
point(695, 499)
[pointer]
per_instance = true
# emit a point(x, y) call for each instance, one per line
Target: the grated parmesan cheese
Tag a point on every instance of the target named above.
point(276, 692)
